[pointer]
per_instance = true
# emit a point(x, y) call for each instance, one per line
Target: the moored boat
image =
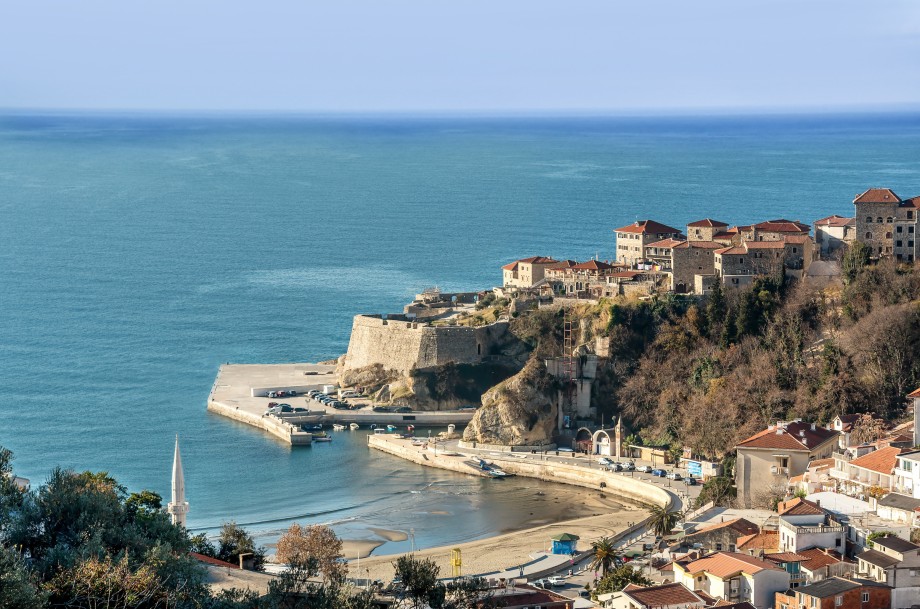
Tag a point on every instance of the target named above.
point(338, 427)
point(353, 426)
point(451, 428)
point(391, 428)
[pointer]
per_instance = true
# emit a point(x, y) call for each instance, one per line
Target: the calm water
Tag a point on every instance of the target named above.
point(138, 253)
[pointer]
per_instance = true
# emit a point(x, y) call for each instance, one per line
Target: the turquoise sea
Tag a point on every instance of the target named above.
point(139, 252)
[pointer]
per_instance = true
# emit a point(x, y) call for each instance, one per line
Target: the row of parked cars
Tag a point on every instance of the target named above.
point(629, 466)
point(276, 408)
point(328, 400)
point(392, 409)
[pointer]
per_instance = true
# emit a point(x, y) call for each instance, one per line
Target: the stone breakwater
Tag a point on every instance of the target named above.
point(400, 344)
point(633, 489)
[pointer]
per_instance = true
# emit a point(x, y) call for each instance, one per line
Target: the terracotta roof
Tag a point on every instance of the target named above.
point(835, 220)
point(765, 245)
point(820, 463)
point(913, 202)
point(798, 507)
point(538, 260)
point(725, 564)
point(593, 265)
point(666, 243)
point(626, 274)
point(565, 264)
point(706, 223)
point(741, 525)
point(663, 595)
point(914, 394)
point(793, 436)
point(724, 604)
point(782, 226)
point(510, 267)
point(212, 561)
point(818, 558)
point(796, 239)
point(782, 557)
point(710, 600)
point(736, 249)
point(724, 235)
point(882, 460)
point(877, 195)
point(646, 227)
point(765, 540)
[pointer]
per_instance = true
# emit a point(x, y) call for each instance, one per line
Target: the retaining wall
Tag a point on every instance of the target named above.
point(277, 427)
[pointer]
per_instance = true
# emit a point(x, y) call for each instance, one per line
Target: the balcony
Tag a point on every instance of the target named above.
point(776, 470)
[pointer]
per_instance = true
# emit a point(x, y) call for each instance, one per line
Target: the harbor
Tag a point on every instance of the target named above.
point(241, 392)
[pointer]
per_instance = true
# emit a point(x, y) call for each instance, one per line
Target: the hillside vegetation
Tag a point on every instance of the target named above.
point(706, 373)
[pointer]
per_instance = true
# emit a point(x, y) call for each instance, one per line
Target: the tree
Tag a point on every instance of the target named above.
point(719, 490)
point(107, 584)
point(18, 589)
point(420, 583)
point(867, 429)
point(315, 546)
point(619, 578)
point(855, 259)
point(604, 554)
point(233, 541)
point(663, 520)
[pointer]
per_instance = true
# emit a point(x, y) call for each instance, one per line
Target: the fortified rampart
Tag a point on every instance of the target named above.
point(401, 344)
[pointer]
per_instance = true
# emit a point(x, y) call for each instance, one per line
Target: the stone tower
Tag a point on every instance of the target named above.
point(619, 437)
point(178, 507)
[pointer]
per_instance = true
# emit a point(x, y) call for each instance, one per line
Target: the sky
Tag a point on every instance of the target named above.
point(460, 56)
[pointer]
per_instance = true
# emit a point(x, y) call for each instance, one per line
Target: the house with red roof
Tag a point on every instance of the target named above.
point(833, 234)
point(705, 229)
point(768, 459)
point(526, 272)
point(873, 471)
point(632, 239)
point(664, 596)
point(887, 224)
point(733, 577)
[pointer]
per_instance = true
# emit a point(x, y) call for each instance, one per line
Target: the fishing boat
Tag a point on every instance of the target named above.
point(391, 428)
point(338, 427)
point(353, 426)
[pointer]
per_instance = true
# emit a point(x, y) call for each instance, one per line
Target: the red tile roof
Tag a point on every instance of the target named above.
point(706, 223)
point(877, 195)
point(733, 249)
point(782, 226)
point(781, 557)
point(212, 561)
point(835, 220)
point(531, 260)
point(765, 245)
point(818, 558)
point(725, 235)
point(647, 227)
point(798, 507)
point(796, 239)
point(726, 564)
point(666, 243)
point(792, 436)
point(741, 525)
point(594, 265)
point(765, 540)
point(882, 460)
point(663, 595)
point(913, 202)
point(914, 394)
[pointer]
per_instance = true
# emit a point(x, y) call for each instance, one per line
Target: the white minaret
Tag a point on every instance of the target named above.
point(178, 507)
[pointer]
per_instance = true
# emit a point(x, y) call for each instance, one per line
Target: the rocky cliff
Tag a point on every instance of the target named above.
point(519, 411)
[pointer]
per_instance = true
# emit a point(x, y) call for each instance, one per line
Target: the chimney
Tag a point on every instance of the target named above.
point(818, 502)
point(812, 426)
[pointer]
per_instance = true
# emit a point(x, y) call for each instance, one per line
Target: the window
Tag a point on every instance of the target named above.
point(910, 215)
point(868, 219)
point(888, 235)
point(868, 235)
point(814, 602)
point(865, 597)
point(795, 251)
point(838, 600)
point(837, 542)
point(889, 220)
point(910, 229)
point(898, 243)
point(914, 572)
point(899, 229)
point(718, 547)
point(878, 220)
point(910, 244)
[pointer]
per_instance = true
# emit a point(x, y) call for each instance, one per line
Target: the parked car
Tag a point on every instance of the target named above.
point(271, 404)
point(403, 409)
point(604, 461)
point(541, 583)
point(659, 472)
point(556, 581)
point(629, 466)
point(675, 476)
point(381, 409)
point(645, 469)
point(614, 466)
point(690, 480)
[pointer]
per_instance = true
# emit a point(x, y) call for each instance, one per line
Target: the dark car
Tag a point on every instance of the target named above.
point(659, 472)
point(381, 409)
point(691, 481)
point(403, 409)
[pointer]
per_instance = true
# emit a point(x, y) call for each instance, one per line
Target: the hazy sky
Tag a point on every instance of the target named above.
point(349, 55)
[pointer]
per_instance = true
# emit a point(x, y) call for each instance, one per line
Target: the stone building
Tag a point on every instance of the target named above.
point(895, 562)
point(632, 239)
point(767, 460)
point(577, 279)
point(689, 259)
point(832, 234)
point(778, 230)
point(837, 593)
point(526, 272)
point(887, 224)
point(705, 230)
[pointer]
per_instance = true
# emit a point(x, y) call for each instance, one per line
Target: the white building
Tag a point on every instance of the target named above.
point(896, 562)
point(178, 507)
point(803, 525)
point(734, 577)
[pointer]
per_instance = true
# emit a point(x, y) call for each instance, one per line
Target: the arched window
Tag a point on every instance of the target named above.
point(868, 235)
point(888, 235)
point(868, 219)
point(878, 220)
point(889, 220)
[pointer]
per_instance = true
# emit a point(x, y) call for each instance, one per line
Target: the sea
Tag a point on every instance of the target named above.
point(138, 252)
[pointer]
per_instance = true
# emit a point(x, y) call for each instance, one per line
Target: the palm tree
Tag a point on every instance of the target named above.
point(663, 520)
point(605, 554)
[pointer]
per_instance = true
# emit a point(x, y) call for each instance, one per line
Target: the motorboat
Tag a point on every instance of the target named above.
point(451, 428)
point(354, 426)
point(391, 428)
point(379, 431)
point(338, 427)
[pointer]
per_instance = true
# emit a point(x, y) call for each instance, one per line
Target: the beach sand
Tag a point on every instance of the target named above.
point(512, 549)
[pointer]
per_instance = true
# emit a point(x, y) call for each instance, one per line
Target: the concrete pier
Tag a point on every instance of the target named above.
point(239, 393)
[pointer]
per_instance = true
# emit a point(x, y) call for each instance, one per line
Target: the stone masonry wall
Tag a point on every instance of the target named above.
point(402, 345)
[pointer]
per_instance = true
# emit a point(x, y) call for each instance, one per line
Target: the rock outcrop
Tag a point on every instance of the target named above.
point(520, 411)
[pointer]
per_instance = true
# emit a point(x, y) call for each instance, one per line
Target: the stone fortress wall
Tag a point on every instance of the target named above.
point(400, 343)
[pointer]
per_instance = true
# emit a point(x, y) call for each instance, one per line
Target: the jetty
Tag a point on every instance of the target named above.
point(240, 392)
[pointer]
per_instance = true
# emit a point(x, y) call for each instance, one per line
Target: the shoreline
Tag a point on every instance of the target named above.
point(503, 551)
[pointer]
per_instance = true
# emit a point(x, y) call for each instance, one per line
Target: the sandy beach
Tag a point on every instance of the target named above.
point(512, 549)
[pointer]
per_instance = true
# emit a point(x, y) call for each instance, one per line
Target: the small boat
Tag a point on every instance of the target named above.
point(451, 428)
point(338, 427)
point(379, 430)
point(418, 442)
point(391, 428)
point(374, 426)
point(353, 426)
point(322, 439)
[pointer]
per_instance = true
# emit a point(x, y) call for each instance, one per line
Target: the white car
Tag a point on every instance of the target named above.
point(556, 581)
point(604, 461)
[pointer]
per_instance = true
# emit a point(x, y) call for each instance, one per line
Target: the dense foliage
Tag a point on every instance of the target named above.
point(707, 372)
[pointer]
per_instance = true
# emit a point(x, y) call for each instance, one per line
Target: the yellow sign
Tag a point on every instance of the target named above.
point(455, 561)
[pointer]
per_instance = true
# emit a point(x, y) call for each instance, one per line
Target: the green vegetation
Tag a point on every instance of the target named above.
point(663, 520)
point(605, 554)
point(421, 588)
point(619, 578)
point(719, 490)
